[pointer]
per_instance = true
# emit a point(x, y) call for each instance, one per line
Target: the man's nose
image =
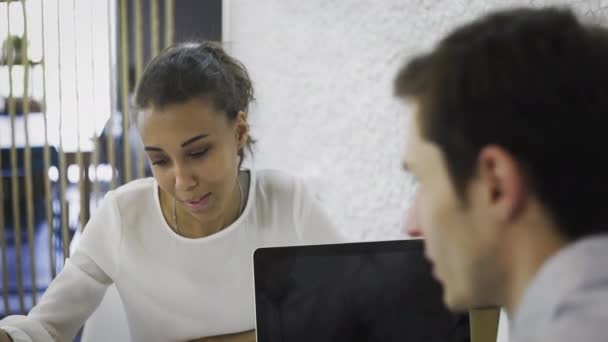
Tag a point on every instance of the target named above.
point(411, 223)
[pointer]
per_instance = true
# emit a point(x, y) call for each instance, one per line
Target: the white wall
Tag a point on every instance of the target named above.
point(323, 72)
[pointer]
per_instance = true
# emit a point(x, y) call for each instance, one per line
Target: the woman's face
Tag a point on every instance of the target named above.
point(193, 149)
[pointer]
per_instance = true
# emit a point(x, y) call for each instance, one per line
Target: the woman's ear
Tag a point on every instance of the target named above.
point(242, 130)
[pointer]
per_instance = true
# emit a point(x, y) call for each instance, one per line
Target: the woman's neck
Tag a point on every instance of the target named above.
point(188, 226)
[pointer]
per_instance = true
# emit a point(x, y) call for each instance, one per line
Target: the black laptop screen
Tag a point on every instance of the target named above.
point(373, 292)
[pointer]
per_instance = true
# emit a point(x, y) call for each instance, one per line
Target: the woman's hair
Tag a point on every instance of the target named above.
point(196, 69)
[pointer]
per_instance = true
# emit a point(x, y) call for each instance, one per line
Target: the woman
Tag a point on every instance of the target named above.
point(178, 246)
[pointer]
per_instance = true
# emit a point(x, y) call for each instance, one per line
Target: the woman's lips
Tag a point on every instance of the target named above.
point(199, 203)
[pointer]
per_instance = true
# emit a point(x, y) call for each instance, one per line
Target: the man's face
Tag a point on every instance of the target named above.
point(457, 241)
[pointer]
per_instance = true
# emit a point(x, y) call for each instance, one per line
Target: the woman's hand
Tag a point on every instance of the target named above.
point(5, 338)
point(247, 336)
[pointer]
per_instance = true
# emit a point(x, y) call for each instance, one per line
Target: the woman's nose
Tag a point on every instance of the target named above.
point(185, 179)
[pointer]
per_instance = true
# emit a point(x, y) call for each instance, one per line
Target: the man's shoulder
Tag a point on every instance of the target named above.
point(591, 328)
point(580, 316)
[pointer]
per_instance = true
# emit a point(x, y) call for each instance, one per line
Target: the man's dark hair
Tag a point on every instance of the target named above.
point(535, 82)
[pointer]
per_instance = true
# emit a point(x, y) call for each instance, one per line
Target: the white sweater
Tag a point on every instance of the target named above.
point(173, 288)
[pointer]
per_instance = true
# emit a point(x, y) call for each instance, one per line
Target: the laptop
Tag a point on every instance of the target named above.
point(370, 291)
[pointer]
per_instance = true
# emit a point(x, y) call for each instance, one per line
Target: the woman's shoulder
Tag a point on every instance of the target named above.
point(284, 188)
point(277, 181)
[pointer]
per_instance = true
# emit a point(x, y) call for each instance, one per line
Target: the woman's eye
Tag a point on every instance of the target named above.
point(199, 154)
point(159, 162)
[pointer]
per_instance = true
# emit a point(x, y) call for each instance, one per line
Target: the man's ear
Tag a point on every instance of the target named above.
point(502, 182)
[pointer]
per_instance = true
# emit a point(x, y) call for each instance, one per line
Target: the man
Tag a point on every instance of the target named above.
point(508, 145)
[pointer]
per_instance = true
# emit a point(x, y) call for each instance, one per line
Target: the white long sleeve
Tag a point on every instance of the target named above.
point(77, 290)
point(174, 288)
point(67, 303)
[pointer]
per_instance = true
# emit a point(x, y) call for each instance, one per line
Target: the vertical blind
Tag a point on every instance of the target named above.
point(65, 135)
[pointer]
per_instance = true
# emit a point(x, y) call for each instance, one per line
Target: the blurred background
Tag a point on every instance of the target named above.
point(322, 70)
point(67, 74)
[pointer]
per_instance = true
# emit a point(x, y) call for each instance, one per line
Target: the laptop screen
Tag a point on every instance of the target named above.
point(371, 291)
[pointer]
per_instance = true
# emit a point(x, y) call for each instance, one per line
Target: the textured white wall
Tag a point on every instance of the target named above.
point(323, 72)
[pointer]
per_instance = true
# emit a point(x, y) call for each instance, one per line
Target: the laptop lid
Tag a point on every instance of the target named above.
point(371, 291)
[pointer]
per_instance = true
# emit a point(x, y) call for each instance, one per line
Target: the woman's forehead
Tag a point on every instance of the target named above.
point(191, 113)
point(180, 122)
